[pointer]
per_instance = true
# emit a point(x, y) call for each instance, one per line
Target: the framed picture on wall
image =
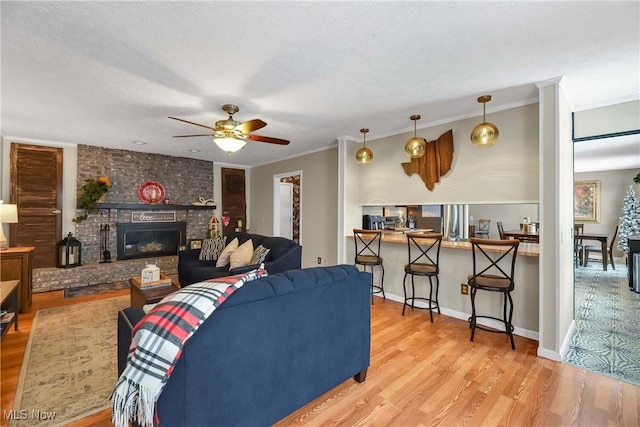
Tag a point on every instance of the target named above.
point(586, 201)
point(195, 244)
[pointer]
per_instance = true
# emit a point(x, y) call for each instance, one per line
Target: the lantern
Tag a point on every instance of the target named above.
point(69, 250)
point(214, 227)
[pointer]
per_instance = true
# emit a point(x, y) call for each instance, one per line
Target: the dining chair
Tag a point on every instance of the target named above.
point(578, 249)
point(500, 230)
point(598, 248)
point(368, 255)
point(483, 228)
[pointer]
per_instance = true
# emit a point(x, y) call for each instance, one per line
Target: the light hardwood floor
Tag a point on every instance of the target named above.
point(424, 374)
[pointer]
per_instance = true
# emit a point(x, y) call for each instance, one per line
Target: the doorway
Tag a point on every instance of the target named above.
point(287, 205)
point(234, 204)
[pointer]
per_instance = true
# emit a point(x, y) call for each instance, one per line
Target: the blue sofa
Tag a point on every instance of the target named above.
point(276, 344)
point(284, 255)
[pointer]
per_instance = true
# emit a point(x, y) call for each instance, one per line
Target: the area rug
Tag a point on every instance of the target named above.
point(607, 334)
point(70, 363)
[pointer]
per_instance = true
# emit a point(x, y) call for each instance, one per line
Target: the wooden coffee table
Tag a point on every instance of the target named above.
point(140, 297)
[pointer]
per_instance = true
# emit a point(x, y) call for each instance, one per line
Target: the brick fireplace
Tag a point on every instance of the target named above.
point(184, 179)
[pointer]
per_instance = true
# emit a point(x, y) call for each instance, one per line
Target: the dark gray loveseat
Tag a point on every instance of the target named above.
point(284, 255)
point(275, 344)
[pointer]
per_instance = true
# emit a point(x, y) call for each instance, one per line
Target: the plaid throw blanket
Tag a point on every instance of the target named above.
point(158, 340)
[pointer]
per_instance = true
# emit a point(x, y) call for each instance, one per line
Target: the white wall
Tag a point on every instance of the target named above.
point(556, 215)
point(504, 173)
point(565, 302)
point(319, 203)
point(605, 120)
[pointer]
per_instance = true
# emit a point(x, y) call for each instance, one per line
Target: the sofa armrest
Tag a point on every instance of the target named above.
point(127, 319)
point(289, 260)
point(188, 255)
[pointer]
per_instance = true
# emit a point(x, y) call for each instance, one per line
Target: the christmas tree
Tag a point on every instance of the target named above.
point(630, 219)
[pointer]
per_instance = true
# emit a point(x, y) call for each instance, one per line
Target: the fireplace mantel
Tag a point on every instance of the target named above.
point(142, 206)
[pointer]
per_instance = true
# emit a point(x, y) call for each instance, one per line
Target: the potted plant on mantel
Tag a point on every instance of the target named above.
point(90, 195)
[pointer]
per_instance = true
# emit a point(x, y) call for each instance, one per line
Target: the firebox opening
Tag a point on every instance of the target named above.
point(144, 240)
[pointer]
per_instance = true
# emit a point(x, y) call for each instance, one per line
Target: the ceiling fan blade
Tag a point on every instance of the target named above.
point(268, 139)
point(187, 136)
point(250, 126)
point(191, 123)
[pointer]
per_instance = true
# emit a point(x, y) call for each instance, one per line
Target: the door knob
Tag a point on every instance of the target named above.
point(56, 211)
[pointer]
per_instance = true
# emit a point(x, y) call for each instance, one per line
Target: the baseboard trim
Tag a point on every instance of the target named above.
point(567, 338)
point(526, 333)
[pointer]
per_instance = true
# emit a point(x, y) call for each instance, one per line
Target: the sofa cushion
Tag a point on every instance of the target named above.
point(242, 256)
point(212, 248)
point(292, 281)
point(259, 255)
point(225, 256)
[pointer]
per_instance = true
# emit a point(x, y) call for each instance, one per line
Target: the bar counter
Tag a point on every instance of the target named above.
point(456, 263)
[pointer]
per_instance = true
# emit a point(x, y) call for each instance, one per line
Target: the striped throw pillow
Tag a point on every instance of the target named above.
point(211, 248)
point(259, 255)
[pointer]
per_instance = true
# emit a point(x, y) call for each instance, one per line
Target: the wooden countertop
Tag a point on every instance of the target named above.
point(524, 249)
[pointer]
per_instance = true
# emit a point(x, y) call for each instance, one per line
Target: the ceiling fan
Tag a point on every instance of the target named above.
point(231, 135)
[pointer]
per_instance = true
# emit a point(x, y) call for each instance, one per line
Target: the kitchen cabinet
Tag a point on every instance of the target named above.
point(17, 264)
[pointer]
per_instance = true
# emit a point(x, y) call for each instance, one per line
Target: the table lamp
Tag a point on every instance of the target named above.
point(8, 215)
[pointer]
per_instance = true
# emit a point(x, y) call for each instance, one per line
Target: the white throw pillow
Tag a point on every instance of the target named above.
point(242, 256)
point(224, 258)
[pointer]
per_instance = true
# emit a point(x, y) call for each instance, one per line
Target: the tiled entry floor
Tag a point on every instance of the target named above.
point(607, 334)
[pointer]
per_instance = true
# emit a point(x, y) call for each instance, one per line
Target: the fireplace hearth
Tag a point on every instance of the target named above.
point(150, 239)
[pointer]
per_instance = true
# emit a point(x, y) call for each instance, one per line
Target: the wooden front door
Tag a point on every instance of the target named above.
point(234, 203)
point(36, 187)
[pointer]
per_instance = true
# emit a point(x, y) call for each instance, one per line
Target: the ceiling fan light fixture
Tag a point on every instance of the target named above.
point(230, 145)
point(485, 134)
point(415, 147)
point(364, 155)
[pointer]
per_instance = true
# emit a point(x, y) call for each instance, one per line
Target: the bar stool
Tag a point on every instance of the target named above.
point(490, 260)
point(425, 247)
point(368, 254)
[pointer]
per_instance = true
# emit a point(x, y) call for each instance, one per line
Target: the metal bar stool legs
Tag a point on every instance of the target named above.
point(506, 319)
point(433, 304)
point(375, 289)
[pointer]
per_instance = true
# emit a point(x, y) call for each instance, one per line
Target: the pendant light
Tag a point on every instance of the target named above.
point(364, 155)
point(415, 147)
point(485, 134)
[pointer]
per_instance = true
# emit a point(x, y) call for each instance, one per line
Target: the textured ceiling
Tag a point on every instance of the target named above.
point(109, 73)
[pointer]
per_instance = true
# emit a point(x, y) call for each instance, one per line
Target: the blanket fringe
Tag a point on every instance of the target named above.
point(131, 401)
